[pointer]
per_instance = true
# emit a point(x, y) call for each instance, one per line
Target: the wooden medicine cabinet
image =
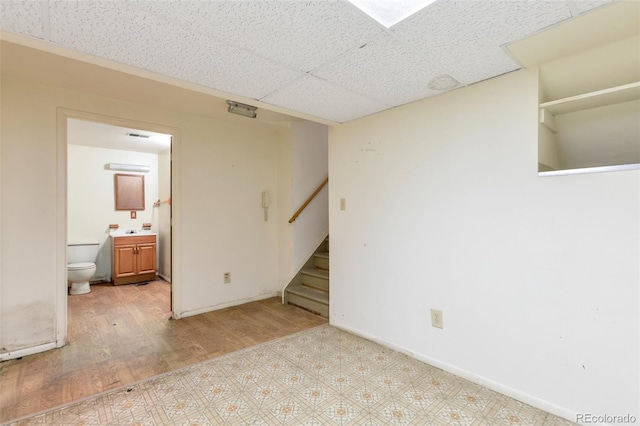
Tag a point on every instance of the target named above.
point(129, 191)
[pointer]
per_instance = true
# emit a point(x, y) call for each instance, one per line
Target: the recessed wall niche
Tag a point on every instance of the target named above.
point(595, 130)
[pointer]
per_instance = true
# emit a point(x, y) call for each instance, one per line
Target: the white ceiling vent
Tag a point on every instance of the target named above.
point(137, 135)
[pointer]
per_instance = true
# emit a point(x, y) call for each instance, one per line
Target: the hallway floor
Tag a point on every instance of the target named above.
point(122, 334)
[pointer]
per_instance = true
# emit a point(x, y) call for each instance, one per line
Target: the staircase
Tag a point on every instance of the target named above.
point(309, 289)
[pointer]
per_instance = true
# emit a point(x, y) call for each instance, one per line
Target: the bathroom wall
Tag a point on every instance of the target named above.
point(91, 202)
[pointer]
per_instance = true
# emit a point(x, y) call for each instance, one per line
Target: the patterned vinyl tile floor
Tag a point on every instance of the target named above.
point(322, 376)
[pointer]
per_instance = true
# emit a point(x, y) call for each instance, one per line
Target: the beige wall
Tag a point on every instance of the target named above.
point(303, 167)
point(164, 215)
point(537, 277)
point(220, 170)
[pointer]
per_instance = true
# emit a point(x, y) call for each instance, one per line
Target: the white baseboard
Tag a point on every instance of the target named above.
point(472, 377)
point(164, 277)
point(229, 304)
point(27, 351)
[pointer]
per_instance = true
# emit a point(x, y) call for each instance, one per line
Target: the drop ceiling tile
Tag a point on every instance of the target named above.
point(507, 21)
point(464, 38)
point(384, 69)
point(22, 17)
point(300, 34)
point(319, 98)
point(111, 30)
point(263, 49)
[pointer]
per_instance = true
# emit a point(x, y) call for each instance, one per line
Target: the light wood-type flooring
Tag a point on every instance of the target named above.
point(119, 335)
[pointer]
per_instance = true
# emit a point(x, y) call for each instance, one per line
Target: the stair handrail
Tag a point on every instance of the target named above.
point(306, 203)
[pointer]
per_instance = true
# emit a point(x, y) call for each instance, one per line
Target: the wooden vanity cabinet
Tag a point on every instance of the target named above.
point(133, 259)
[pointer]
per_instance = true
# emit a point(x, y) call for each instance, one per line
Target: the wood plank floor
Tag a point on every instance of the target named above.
point(122, 334)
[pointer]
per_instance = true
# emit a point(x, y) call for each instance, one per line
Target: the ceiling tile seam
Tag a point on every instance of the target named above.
point(46, 28)
point(502, 46)
point(419, 52)
point(347, 52)
point(452, 72)
point(337, 57)
point(213, 38)
point(301, 72)
point(350, 90)
point(355, 49)
point(385, 30)
point(384, 104)
point(347, 89)
point(282, 87)
point(443, 70)
point(573, 8)
point(209, 36)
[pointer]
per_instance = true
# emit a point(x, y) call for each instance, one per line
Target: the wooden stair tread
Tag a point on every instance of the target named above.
point(310, 293)
point(309, 289)
point(315, 272)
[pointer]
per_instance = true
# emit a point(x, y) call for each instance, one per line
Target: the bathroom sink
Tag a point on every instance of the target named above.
point(129, 232)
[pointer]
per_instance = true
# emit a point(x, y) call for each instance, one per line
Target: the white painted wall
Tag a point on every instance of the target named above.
point(537, 277)
point(226, 168)
point(28, 204)
point(604, 136)
point(220, 170)
point(91, 201)
point(304, 167)
point(310, 156)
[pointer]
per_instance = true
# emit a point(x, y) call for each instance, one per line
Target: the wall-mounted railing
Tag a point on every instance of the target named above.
point(306, 203)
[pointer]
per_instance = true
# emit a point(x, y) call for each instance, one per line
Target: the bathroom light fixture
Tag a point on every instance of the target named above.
point(128, 167)
point(242, 109)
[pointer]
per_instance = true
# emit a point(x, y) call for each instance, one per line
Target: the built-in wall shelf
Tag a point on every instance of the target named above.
point(601, 169)
point(610, 96)
point(593, 132)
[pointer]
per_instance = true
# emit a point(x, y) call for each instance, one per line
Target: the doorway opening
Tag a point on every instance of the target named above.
point(99, 155)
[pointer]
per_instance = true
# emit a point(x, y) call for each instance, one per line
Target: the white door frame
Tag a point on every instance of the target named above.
point(61, 234)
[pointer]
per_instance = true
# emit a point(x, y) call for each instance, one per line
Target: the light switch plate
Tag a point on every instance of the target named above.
point(436, 318)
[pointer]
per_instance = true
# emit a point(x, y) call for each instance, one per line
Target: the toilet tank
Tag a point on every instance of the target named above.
point(82, 252)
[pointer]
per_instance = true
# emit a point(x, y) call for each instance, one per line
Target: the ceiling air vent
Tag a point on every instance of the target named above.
point(137, 135)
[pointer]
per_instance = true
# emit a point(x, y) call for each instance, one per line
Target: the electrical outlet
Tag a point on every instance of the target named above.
point(227, 277)
point(343, 203)
point(436, 318)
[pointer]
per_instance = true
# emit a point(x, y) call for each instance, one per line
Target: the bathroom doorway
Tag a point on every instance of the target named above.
point(96, 152)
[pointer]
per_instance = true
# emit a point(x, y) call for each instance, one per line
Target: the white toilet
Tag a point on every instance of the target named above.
point(82, 266)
